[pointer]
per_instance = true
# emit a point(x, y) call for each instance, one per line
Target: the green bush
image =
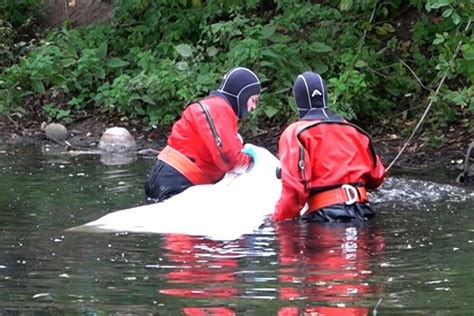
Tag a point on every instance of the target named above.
point(157, 56)
point(20, 13)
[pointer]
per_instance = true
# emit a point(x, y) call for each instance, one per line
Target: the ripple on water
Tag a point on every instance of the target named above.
point(413, 191)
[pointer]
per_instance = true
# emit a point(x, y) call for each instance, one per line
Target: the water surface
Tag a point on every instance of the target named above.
point(416, 256)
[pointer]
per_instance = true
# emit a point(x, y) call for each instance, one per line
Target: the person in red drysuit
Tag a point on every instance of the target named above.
point(326, 162)
point(204, 143)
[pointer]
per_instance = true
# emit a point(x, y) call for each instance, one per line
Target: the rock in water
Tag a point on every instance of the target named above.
point(56, 131)
point(117, 140)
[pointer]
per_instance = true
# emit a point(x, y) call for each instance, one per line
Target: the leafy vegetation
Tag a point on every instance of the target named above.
point(379, 58)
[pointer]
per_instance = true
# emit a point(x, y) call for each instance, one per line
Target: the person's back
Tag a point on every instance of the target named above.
point(216, 160)
point(326, 161)
point(344, 154)
point(204, 143)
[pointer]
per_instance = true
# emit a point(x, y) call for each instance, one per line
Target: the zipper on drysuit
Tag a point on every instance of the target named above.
point(216, 136)
point(301, 164)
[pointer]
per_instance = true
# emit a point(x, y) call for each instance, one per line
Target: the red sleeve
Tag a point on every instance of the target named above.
point(376, 176)
point(293, 194)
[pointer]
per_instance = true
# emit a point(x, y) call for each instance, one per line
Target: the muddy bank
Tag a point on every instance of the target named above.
point(84, 134)
point(76, 12)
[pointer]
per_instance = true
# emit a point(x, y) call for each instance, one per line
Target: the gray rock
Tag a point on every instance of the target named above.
point(117, 140)
point(56, 131)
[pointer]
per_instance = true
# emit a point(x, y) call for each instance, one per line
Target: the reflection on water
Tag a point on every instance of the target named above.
point(329, 263)
point(316, 263)
point(116, 159)
point(414, 257)
point(206, 276)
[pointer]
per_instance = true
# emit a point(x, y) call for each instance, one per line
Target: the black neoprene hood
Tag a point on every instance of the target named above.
point(310, 92)
point(238, 85)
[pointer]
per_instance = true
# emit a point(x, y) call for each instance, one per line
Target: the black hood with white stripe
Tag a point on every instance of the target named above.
point(310, 92)
point(237, 86)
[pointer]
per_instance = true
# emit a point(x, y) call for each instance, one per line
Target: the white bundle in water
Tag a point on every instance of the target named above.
point(236, 205)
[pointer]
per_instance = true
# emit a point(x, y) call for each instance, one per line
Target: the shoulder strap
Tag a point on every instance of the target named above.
point(214, 132)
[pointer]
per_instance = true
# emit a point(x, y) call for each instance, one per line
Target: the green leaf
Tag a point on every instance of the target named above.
point(62, 113)
point(393, 91)
point(283, 90)
point(436, 4)
point(147, 99)
point(270, 111)
point(319, 66)
point(265, 63)
point(37, 76)
point(182, 65)
point(456, 18)
point(134, 97)
point(212, 51)
point(468, 51)
point(100, 73)
point(68, 62)
point(184, 50)
point(139, 110)
point(38, 86)
point(447, 13)
point(320, 47)
point(76, 101)
point(268, 31)
point(345, 5)
point(438, 40)
point(270, 53)
point(116, 62)
point(101, 52)
point(25, 94)
point(384, 29)
point(360, 63)
point(280, 38)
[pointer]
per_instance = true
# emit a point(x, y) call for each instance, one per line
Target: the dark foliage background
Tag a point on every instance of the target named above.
point(382, 60)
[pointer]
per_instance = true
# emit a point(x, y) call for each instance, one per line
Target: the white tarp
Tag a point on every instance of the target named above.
point(236, 205)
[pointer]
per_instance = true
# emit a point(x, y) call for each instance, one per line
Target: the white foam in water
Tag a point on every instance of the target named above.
point(236, 205)
point(413, 192)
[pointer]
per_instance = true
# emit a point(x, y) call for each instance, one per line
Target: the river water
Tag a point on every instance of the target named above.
point(416, 256)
